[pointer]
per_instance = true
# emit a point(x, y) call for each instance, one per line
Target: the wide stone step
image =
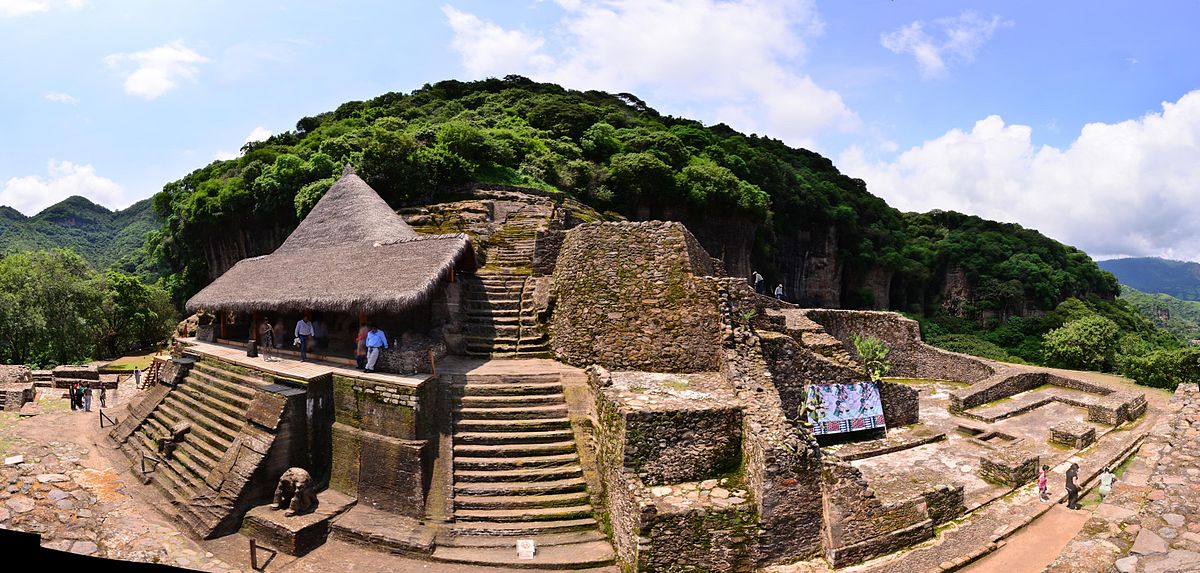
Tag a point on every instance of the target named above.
point(510, 543)
point(518, 475)
point(475, 305)
point(507, 389)
point(513, 450)
point(521, 528)
point(483, 401)
point(172, 411)
point(511, 330)
point(577, 498)
point(177, 486)
point(512, 437)
point(202, 446)
point(550, 411)
point(477, 463)
point(211, 397)
point(203, 412)
point(234, 392)
point(533, 425)
point(521, 488)
point(550, 557)
point(510, 354)
point(518, 515)
point(237, 383)
point(514, 378)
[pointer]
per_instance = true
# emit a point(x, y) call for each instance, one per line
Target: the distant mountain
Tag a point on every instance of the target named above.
point(1179, 317)
point(1180, 279)
point(105, 238)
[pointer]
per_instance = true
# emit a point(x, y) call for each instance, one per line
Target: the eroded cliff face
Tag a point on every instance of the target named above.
point(223, 250)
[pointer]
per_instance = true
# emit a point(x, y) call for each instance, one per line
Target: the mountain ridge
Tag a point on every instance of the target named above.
point(1179, 279)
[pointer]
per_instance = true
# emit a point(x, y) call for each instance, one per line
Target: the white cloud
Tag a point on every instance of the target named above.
point(156, 71)
point(17, 8)
point(32, 193)
point(734, 61)
point(1129, 188)
point(259, 133)
point(937, 44)
point(61, 97)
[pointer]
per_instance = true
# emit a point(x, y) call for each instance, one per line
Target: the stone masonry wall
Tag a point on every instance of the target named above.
point(858, 526)
point(910, 357)
point(781, 465)
point(381, 443)
point(628, 297)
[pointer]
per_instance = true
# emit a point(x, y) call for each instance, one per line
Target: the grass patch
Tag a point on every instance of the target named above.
point(676, 385)
point(130, 362)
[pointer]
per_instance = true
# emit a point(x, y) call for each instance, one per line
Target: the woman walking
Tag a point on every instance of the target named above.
point(1072, 487)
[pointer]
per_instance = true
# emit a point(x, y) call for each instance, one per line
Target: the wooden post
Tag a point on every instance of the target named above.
point(432, 363)
point(451, 277)
point(221, 317)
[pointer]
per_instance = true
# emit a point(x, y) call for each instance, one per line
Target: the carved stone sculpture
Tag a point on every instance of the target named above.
point(295, 492)
point(168, 443)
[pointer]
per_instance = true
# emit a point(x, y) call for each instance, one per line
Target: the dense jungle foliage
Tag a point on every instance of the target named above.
point(55, 309)
point(613, 152)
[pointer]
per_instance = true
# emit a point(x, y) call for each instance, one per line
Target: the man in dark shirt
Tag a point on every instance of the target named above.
point(1072, 487)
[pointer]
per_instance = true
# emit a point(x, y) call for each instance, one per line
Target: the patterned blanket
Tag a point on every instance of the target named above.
point(837, 408)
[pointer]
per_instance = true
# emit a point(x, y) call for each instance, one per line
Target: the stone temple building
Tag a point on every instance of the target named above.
point(601, 389)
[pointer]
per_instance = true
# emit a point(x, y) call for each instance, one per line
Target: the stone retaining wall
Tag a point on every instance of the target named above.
point(382, 446)
point(910, 356)
point(858, 526)
point(547, 245)
point(628, 297)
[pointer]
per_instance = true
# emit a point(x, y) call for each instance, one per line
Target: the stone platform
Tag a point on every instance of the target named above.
point(298, 534)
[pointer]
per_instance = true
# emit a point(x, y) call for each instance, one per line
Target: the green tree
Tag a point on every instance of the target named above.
point(1088, 343)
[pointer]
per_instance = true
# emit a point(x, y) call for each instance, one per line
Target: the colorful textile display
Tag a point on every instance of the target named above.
point(837, 408)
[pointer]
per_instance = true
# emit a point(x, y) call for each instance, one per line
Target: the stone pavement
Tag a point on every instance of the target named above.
point(58, 485)
point(1150, 523)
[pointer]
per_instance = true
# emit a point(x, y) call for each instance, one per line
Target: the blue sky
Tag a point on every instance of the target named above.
point(1075, 118)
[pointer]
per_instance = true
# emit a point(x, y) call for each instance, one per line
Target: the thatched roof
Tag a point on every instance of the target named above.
point(351, 254)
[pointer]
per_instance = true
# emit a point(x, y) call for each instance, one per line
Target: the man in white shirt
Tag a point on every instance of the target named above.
point(304, 331)
point(376, 341)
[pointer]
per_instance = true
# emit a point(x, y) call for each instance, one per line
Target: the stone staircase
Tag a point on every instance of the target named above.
point(216, 402)
point(510, 249)
point(501, 318)
point(517, 475)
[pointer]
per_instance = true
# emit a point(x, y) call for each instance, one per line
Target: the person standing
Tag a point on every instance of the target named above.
point(360, 346)
point(103, 397)
point(376, 342)
point(87, 397)
point(779, 291)
point(266, 338)
point(1043, 493)
point(758, 283)
point(304, 331)
point(1072, 487)
point(1106, 482)
point(137, 377)
point(71, 394)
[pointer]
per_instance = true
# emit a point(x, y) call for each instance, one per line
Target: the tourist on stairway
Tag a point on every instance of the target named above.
point(376, 341)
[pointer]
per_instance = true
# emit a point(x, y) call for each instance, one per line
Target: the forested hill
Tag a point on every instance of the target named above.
point(104, 238)
point(752, 201)
point(1180, 279)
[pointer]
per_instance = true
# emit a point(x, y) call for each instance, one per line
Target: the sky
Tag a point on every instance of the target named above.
point(1079, 119)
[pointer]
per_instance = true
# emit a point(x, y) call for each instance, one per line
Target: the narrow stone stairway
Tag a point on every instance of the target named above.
point(501, 319)
point(510, 249)
point(517, 475)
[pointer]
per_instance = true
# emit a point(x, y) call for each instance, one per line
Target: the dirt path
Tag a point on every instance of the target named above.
point(1034, 547)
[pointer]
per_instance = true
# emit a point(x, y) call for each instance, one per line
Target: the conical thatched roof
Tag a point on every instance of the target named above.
point(352, 253)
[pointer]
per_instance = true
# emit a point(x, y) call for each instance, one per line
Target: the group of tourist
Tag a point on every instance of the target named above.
point(760, 285)
point(80, 394)
point(1106, 482)
point(369, 342)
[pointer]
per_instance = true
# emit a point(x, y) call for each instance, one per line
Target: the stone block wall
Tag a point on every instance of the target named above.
point(382, 443)
point(910, 356)
point(628, 297)
point(547, 245)
point(901, 404)
point(781, 465)
point(1010, 468)
point(944, 503)
point(1072, 434)
point(793, 367)
point(858, 526)
point(690, 433)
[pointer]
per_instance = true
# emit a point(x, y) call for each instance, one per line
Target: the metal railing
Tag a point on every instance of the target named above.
point(153, 459)
point(254, 549)
point(103, 417)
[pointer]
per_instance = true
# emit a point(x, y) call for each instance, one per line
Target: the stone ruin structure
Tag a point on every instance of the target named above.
point(16, 387)
point(650, 411)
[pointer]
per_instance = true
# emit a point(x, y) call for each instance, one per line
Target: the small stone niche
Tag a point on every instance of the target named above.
point(1072, 434)
point(1008, 467)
